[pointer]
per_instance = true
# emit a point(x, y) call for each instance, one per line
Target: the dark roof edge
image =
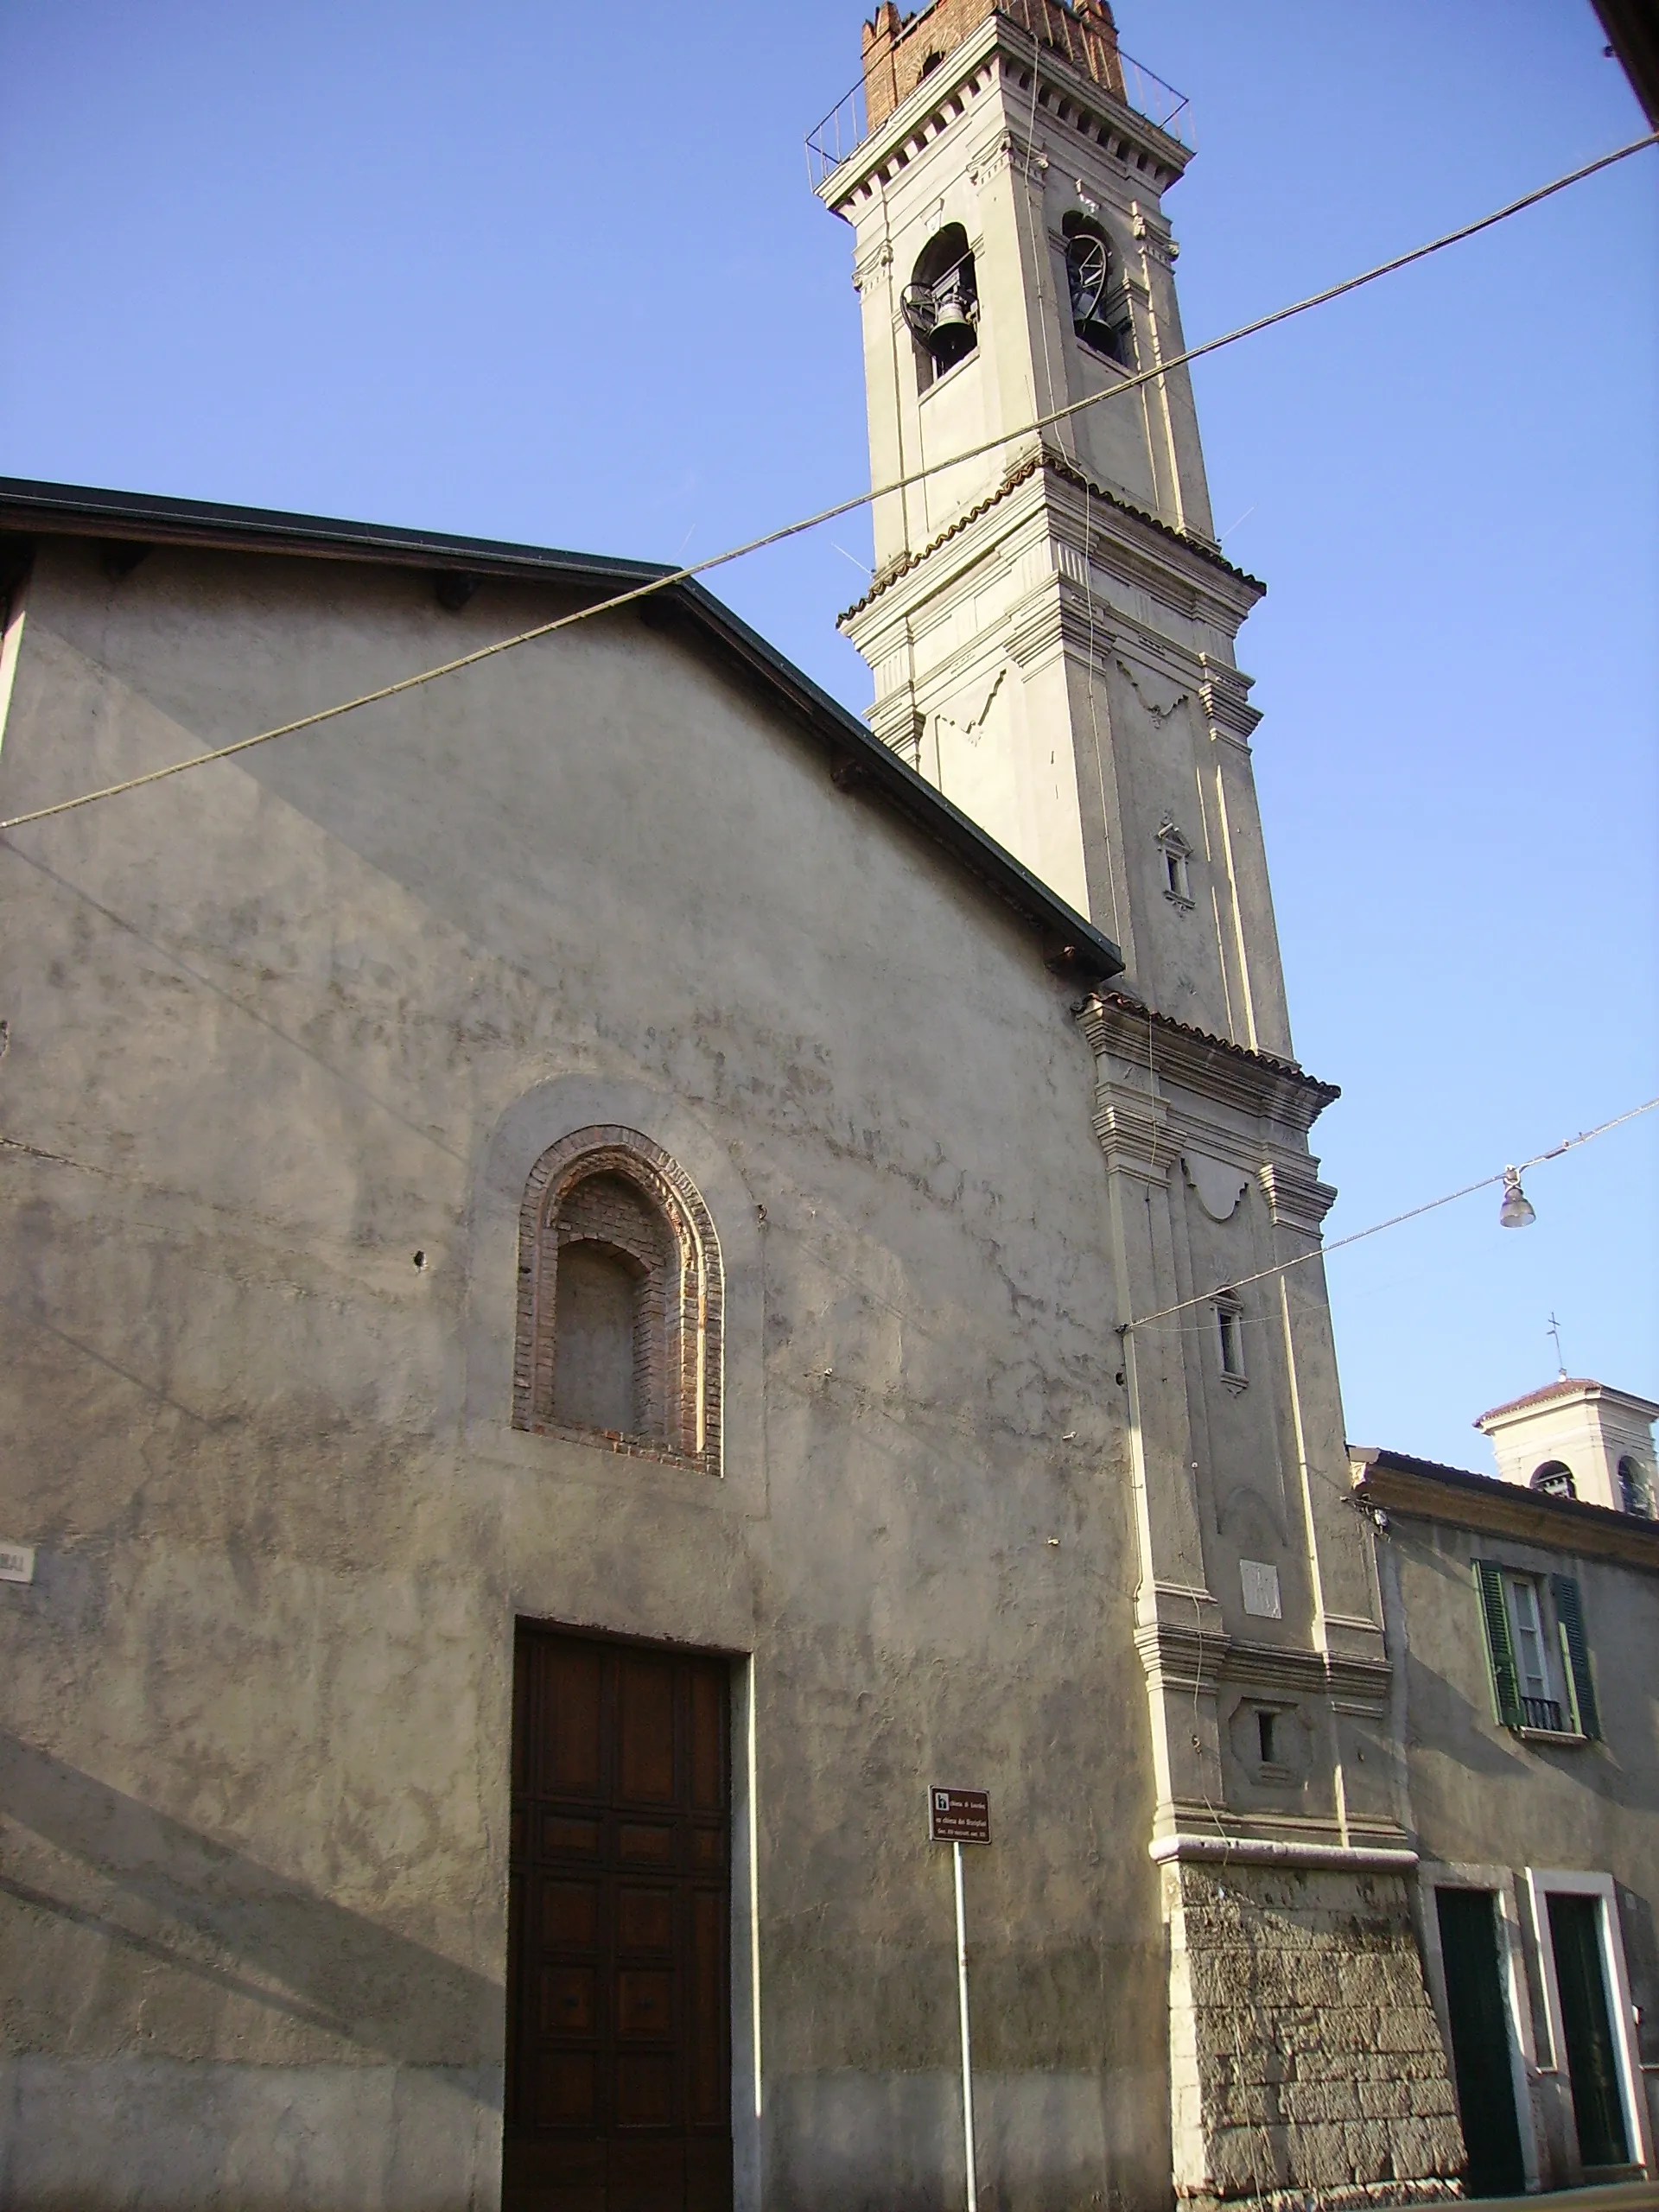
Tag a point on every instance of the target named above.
point(1290, 1070)
point(858, 758)
point(1491, 1490)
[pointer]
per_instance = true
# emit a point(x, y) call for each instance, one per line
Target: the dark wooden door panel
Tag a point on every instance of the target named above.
point(1480, 2041)
point(620, 2009)
point(1587, 2030)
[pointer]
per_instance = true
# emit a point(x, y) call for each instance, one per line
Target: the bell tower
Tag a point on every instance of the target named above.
point(1050, 622)
point(1050, 625)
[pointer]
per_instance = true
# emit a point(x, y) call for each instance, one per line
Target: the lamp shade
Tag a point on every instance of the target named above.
point(1515, 1209)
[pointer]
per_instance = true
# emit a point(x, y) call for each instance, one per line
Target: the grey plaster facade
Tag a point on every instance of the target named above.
point(279, 1024)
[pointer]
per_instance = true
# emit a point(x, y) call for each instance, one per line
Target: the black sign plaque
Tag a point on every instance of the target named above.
point(958, 1815)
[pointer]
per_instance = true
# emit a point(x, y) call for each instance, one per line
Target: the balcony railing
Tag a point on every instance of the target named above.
point(847, 125)
point(1543, 1712)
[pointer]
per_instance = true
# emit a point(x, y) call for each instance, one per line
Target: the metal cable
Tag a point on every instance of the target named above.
point(1318, 1251)
point(670, 577)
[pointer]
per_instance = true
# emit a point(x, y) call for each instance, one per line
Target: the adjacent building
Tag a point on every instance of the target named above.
point(1524, 1622)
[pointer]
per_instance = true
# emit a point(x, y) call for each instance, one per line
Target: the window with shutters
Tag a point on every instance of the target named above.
point(1537, 1653)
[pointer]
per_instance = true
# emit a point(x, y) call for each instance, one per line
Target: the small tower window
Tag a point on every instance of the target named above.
point(1555, 1479)
point(1100, 313)
point(1174, 853)
point(1230, 1324)
point(1264, 1735)
point(1633, 1497)
point(941, 305)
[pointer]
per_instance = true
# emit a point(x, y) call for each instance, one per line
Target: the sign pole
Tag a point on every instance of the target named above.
point(967, 2045)
point(956, 1817)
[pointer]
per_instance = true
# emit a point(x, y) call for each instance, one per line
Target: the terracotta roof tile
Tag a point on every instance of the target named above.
point(1012, 482)
point(1562, 1387)
point(1296, 1074)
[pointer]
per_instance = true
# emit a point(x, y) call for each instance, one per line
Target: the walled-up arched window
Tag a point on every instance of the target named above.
point(1100, 313)
point(619, 1299)
point(941, 304)
point(1555, 1479)
point(1633, 1495)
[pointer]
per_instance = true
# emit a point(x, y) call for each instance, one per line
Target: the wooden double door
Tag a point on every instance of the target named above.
point(618, 2002)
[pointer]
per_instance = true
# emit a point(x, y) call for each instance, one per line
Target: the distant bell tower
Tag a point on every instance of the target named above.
point(1050, 625)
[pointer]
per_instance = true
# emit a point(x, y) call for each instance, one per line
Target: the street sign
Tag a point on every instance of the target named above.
point(958, 1815)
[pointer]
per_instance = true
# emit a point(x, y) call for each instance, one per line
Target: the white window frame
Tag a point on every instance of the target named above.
point(1516, 1581)
point(1436, 1874)
point(1230, 1332)
point(1177, 853)
point(1542, 1882)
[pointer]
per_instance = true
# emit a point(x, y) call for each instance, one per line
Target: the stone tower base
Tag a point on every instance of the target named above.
point(1306, 2061)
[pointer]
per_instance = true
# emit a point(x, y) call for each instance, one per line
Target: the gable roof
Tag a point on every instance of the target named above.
point(857, 760)
point(1427, 1491)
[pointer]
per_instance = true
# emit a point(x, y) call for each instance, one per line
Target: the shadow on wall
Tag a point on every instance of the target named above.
point(244, 1929)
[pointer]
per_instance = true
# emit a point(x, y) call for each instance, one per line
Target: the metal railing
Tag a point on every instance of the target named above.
point(1543, 1712)
point(847, 125)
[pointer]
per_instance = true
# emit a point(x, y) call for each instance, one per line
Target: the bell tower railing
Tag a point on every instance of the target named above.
point(1065, 31)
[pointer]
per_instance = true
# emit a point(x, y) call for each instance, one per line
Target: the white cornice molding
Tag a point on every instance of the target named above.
point(1211, 1067)
point(1296, 1199)
point(982, 60)
point(1125, 546)
point(1265, 1851)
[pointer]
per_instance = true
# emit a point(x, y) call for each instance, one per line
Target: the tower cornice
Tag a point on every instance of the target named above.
point(1074, 100)
point(1171, 564)
point(1212, 1066)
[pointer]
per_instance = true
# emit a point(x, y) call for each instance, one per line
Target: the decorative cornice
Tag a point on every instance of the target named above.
point(1296, 1197)
point(1225, 693)
point(1263, 1851)
point(1178, 1657)
point(1051, 464)
point(1113, 1022)
point(946, 93)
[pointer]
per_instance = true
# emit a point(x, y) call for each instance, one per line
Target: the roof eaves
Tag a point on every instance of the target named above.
point(1288, 1069)
point(1368, 1461)
point(858, 758)
point(1564, 1387)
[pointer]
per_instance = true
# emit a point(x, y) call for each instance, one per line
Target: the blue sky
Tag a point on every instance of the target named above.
point(554, 274)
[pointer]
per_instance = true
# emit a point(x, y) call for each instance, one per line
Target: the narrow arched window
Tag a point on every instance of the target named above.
point(1099, 301)
point(941, 304)
point(619, 1301)
point(1555, 1479)
point(1633, 1497)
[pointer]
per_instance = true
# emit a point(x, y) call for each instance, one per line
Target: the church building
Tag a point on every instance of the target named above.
point(615, 1275)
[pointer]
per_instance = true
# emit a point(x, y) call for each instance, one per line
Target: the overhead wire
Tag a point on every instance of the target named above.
point(1395, 1221)
point(669, 577)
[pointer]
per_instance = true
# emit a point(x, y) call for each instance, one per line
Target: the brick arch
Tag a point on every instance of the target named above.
point(659, 1223)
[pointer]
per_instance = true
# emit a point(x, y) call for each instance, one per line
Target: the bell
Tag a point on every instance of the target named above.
point(952, 334)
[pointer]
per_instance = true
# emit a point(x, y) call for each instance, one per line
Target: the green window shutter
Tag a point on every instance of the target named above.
point(1500, 1647)
point(1569, 1613)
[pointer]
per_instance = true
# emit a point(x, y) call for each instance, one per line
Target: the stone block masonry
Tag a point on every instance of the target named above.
point(1305, 2060)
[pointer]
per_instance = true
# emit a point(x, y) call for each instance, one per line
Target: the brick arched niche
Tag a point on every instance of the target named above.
point(620, 1298)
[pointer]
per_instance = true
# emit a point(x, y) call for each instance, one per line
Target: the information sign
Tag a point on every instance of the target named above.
point(958, 1815)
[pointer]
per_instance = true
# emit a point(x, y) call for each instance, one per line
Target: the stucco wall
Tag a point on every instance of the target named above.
point(1480, 1795)
point(278, 1025)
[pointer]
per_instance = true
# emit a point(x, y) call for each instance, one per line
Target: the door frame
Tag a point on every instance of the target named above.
point(1500, 1881)
point(1542, 1882)
point(743, 1918)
